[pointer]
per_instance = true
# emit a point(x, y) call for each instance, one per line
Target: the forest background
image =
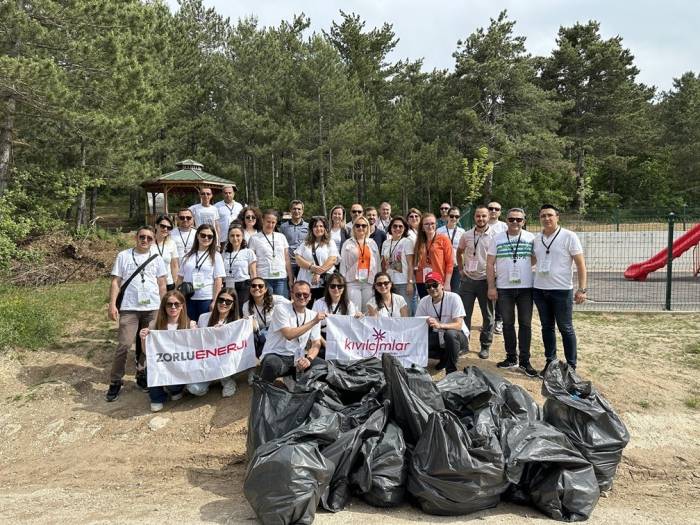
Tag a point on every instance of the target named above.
point(97, 96)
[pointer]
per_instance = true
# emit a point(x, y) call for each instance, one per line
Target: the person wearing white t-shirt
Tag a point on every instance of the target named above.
point(454, 232)
point(292, 327)
point(259, 309)
point(471, 260)
point(385, 303)
point(140, 300)
point(203, 266)
point(316, 256)
point(272, 250)
point(228, 210)
point(448, 335)
point(397, 259)
point(167, 249)
point(496, 226)
point(359, 261)
point(509, 275)
point(240, 263)
point(558, 250)
point(205, 212)
point(184, 234)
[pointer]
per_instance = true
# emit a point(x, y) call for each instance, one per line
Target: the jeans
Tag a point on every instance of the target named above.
point(455, 341)
point(243, 292)
point(130, 323)
point(276, 365)
point(508, 300)
point(400, 289)
point(278, 286)
point(197, 307)
point(557, 306)
point(158, 394)
point(200, 389)
point(360, 293)
point(471, 290)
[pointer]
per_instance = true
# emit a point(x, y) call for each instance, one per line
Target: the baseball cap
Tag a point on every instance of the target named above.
point(434, 276)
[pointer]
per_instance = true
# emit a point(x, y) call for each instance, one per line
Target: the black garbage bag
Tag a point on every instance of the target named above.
point(519, 404)
point(408, 410)
point(274, 412)
point(421, 383)
point(350, 381)
point(344, 453)
point(464, 392)
point(287, 476)
point(381, 475)
point(577, 409)
point(547, 471)
point(450, 476)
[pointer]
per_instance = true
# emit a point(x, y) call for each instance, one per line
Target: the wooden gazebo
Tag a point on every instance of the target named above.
point(190, 176)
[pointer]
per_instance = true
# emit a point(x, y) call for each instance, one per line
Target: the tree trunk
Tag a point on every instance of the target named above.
point(246, 183)
point(294, 180)
point(93, 203)
point(273, 177)
point(80, 209)
point(255, 183)
point(322, 179)
point(6, 137)
point(580, 174)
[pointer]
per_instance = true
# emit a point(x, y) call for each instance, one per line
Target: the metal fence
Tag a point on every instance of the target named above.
point(615, 240)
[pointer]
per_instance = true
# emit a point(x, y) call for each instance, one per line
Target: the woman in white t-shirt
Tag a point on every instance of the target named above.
point(317, 256)
point(203, 266)
point(385, 303)
point(335, 300)
point(413, 218)
point(359, 261)
point(259, 308)
point(338, 231)
point(167, 249)
point(397, 258)
point(172, 315)
point(251, 219)
point(240, 263)
point(272, 251)
point(454, 232)
point(226, 310)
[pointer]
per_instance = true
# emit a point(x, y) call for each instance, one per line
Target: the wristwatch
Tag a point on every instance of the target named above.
point(582, 290)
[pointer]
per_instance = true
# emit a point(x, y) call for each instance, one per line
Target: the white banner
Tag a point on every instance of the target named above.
point(180, 357)
point(349, 339)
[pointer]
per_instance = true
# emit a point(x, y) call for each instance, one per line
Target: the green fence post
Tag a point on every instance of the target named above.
point(669, 261)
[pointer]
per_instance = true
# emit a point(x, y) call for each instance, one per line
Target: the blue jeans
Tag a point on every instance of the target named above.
point(158, 394)
point(197, 307)
point(557, 306)
point(470, 291)
point(278, 286)
point(508, 300)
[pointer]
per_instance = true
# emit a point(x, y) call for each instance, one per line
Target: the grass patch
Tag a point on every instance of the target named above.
point(692, 402)
point(643, 403)
point(691, 353)
point(35, 318)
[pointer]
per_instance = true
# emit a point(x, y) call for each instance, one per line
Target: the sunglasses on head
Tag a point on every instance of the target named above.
point(257, 286)
point(302, 295)
point(432, 285)
point(223, 300)
point(145, 238)
point(493, 208)
point(165, 226)
point(382, 283)
point(206, 236)
point(515, 219)
point(336, 286)
point(173, 305)
point(184, 217)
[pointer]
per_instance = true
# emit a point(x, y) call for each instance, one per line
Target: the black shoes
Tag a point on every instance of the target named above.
point(142, 381)
point(527, 369)
point(113, 392)
point(507, 363)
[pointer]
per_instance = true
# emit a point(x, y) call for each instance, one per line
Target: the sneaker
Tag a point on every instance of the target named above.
point(498, 327)
point(177, 397)
point(113, 392)
point(440, 365)
point(156, 407)
point(507, 363)
point(527, 369)
point(484, 353)
point(544, 369)
point(229, 387)
point(142, 380)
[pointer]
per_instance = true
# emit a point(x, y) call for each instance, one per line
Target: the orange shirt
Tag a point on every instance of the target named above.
point(437, 256)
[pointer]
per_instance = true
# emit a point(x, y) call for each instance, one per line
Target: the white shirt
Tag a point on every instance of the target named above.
point(350, 257)
point(476, 248)
point(284, 316)
point(143, 286)
point(183, 240)
point(455, 235)
point(505, 248)
point(498, 227)
point(397, 302)
point(205, 215)
point(227, 214)
point(444, 311)
point(201, 263)
point(270, 267)
point(321, 306)
point(168, 251)
point(561, 259)
point(263, 318)
point(323, 252)
point(383, 225)
point(237, 265)
point(394, 255)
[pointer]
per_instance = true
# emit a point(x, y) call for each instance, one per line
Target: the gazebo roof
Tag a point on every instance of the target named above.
point(190, 172)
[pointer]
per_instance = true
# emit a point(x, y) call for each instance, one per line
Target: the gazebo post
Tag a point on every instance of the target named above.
point(165, 198)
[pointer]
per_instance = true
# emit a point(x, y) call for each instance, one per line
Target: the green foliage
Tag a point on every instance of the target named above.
point(475, 174)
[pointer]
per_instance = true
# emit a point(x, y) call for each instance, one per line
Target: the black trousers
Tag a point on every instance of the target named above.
point(275, 365)
point(455, 340)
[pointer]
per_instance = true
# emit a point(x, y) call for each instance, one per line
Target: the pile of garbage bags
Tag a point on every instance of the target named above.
point(387, 434)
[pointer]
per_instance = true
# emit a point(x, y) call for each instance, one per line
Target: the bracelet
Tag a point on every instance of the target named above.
point(582, 290)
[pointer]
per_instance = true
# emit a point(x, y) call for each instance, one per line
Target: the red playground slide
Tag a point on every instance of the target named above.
point(639, 271)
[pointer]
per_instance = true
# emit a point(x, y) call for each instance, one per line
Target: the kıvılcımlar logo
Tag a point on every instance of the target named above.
point(204, 353)
point(379, 345)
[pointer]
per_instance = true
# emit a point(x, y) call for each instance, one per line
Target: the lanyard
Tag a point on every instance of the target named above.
point(133, 257)
point(200, 261)
point(160, 250)
point(184, 242)
point(335, 310)
point(230, 210)
point(392, 248)
point(272, 244)
point(548, 246)
point(362, 250)
point(476, 240)
point(442, 303)
point(512, 251)
point(391, 304)
point(428, 249)
point(384, 226)
point(454, 232)
point(231, 260)
point(262, 316)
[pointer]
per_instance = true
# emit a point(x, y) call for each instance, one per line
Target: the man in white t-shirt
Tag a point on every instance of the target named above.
point(509, 276)
point(139, 303)
point(557, 250)
point(384, 218)
point(205, 212)
point(228, 211)
point(448, 336)
point(471, 261)
point(496, 226)
point(293, 325)
point(185, 233)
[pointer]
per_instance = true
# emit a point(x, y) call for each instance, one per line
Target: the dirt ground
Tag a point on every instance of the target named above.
point(67, 456)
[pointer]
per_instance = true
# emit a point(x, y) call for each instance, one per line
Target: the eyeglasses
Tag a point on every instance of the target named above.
point(493, 208)
point(165, 226)
point(397, 226)
point(413, 217)
point(336, 286)
point(145, 238)
point(515, 219)
point(454, 216)
point(173, 305)
point(358, 226)
point(444, 209)
point(184, 217)
point(431, 286)
point(302, 295)
point(382, 283)
point(205, 193)
point(206, 236)
point(222, 300)
point(257, 286)
point(428, 224)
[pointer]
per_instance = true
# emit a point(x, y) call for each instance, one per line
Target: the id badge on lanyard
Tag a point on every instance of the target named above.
point(197, 280)
point(426, 271)
point(143, 297)
point(544, 265)
point(472, 265)
point(362, 274)
point(276, 266)
point(514, 274)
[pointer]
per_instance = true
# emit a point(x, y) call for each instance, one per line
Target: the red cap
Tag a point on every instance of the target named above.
point(434, 276)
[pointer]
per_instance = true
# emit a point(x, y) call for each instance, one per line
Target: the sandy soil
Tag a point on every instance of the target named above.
point(67, 456)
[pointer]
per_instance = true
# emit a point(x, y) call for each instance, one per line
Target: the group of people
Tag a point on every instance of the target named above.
point(226, 261)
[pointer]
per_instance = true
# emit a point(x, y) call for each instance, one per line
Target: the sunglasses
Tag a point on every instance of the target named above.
point(428, 224)
point(444, 209)
point(205, 193)
point(454, 216)
point(257, 286)
point(413, 217)
point(431, 286)
point(355, 212)
point(397, 226)
point(492, 208)
point(358, 226)
point(222, 300)
point(515, 219)
point(335, 286)
point(302, 295)
point(165, 226)
point(184, 217)
point(250, 217)
point(173, 305)
point(382, 283)
point(206, 236)
point(145, 238)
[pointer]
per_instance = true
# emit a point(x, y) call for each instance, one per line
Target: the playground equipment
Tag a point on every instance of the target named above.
point(690, 239)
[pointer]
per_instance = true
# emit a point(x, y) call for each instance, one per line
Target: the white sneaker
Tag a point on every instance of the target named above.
point(498, 329)
point(229, 385)
point(176, 397)
point(156, 407)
